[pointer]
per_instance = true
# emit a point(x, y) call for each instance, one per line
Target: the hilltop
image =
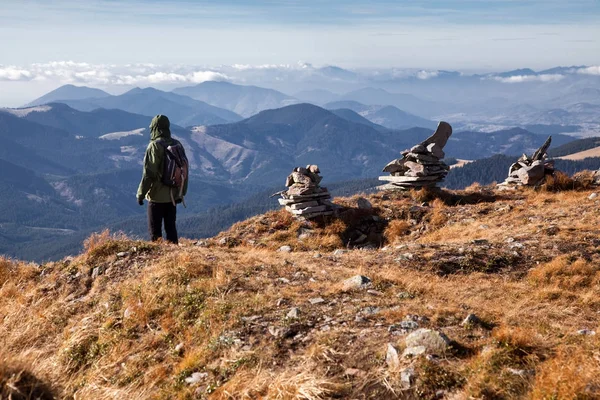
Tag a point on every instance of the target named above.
point(240, 316)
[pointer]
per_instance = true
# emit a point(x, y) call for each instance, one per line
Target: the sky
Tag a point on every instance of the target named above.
point(466, 35)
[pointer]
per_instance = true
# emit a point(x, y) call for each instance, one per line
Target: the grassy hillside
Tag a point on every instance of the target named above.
point(236, 318)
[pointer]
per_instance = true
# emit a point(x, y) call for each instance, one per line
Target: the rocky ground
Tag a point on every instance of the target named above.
point(460, 295)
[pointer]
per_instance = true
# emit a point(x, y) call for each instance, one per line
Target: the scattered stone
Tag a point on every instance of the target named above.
point(96, 272)
point(370, 310)
point(374, 292)
point(285, 249)
point(356, 282)
point(339, 252)
point(364, 204)
point(407, 377)
point(593, 196)
point(122, 254)
point(283, 280)
point(405, 295)
point(179, 348)
point(196, 377)
point(471, 319)
point(391, 357)
point(421, 166)
point(325, 328)
point(435, 342)
point(294, 313)
point(128, 312)
point(317, 255)
point(251, 318)
point(530, 171)
point(316, 300)
point(586, 332)
point(201, 243)
point(480, 242)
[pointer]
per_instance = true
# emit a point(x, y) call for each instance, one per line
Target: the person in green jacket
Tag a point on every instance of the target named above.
point(161, 198)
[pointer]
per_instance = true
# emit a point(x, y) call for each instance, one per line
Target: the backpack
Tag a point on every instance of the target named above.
point(176, 168)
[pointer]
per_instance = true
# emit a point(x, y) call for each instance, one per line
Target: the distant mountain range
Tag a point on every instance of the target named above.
point(182, 110)
point(243, 100)
point(389, 116)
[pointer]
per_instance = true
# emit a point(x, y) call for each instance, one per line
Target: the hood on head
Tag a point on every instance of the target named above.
point(159, 127)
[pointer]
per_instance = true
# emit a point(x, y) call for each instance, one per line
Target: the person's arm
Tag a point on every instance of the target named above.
point(151, 170)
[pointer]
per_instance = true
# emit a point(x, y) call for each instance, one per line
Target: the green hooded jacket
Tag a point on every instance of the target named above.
point(151, 187)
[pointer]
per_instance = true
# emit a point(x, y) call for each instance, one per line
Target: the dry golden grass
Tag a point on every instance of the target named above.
point(161, 313)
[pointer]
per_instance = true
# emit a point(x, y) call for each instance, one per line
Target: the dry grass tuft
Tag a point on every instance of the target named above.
point(395, 230)
point(566, 272)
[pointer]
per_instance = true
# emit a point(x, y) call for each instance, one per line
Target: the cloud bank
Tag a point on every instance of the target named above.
point(108, 74)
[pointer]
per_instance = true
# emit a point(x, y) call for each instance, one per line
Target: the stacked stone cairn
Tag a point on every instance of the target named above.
point(530, 171)
point(304, 198)
point(421, 166)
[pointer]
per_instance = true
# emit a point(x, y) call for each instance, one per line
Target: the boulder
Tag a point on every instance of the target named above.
point(356, 282)
point(434, 342)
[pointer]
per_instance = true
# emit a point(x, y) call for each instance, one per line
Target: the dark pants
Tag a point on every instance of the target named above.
point(157, 213)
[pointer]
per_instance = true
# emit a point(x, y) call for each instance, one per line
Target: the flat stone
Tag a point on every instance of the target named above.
point(306, 204)
point(122, 254)
point(586, 332)
point(285, 249)
point(593, 196)
point(316, 300)
point(339, 252)
point(356, 282)
point(435, 342)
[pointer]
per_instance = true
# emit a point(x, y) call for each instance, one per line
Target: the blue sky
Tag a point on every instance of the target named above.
point(352, 33)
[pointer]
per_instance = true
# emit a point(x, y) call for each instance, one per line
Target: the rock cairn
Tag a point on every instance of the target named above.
point(530, 171)
point(421, 166)
point(304, 197)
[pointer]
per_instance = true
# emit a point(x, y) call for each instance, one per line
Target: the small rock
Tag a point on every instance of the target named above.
point(484, 226)
point(586, 332)
point(364, 204)
point(435, 342)
point(593, 196)
point(293, 313)
point(510, 240)
point(122, 254)
point(371, 310)
point(96, 272)
point(391, 357)
point(283, 280)
point(196, 377)
point(317, 255)
point(128, 312)
point(179, 348)
point(480, 242)
point(471, 319)
point(356, 282)
point(285, 249)
point(316, 300)
point(339, 252)
point(407, 377)
point(516, 245)
point(374, 292)
point(201, 243)
point(325, 328)
point(405, 295)
point(519, 372)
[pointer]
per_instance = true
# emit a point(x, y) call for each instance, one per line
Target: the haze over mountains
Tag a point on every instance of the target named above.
point(73, 158)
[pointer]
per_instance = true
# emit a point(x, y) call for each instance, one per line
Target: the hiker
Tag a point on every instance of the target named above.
point(164, 180)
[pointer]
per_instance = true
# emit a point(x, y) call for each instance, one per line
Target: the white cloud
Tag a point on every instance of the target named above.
point(530, 78)
point(427, 74)
point(593, 70)
point(103, 74)
point(11, 73)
